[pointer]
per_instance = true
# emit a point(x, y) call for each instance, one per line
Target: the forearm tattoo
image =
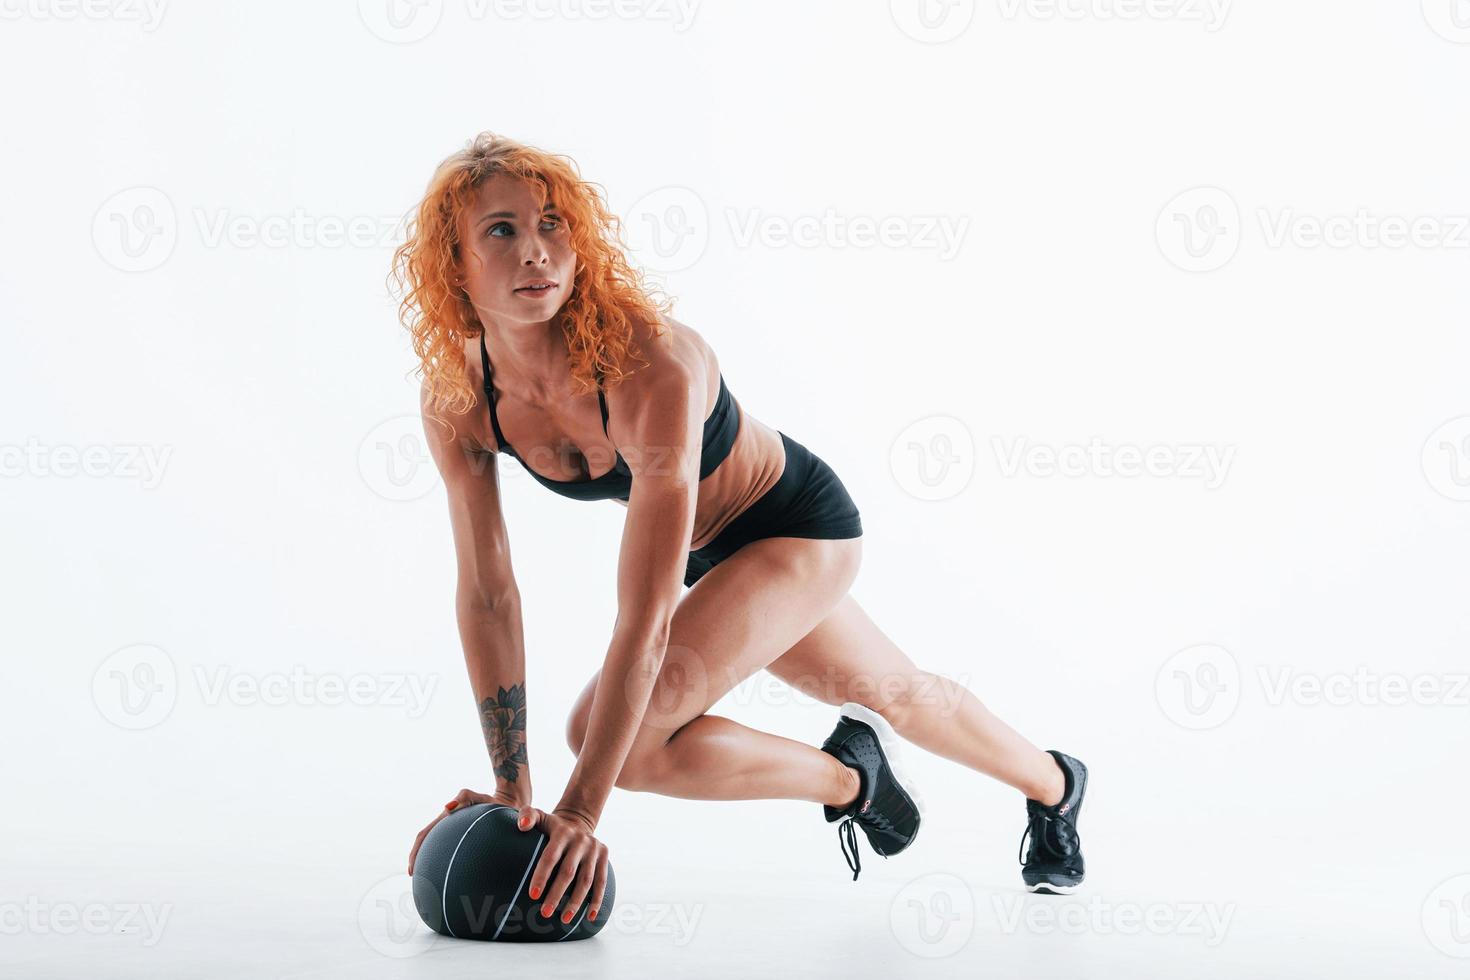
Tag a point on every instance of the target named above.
point(503, 717)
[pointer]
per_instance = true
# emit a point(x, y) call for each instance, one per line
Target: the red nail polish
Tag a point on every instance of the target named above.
point(450, 805)
point(546, 911)
point(592, 915)
point(566, 917)
point(535, 893)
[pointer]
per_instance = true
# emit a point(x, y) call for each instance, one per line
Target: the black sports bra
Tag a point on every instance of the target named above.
point(720, 430)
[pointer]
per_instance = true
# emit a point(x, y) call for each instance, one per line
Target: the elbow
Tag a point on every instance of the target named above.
point(643, 649)
point(490, 600)
point(647, 630)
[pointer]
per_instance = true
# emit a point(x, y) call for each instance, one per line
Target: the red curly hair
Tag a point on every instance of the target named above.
point(608, 299)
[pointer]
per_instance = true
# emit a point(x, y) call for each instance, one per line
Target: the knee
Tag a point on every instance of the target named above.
point(577, 727)
point(646, 761)
point(580, 713)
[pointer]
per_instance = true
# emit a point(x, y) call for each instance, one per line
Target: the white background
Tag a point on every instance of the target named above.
point(295, 524)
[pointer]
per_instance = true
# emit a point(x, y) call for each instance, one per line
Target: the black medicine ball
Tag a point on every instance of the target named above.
point(472, 877)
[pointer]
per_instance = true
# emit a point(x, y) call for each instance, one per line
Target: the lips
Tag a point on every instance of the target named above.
point(536, 286)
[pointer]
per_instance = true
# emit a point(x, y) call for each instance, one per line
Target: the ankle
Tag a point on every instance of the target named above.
point(1052, 786)
point(849, 785)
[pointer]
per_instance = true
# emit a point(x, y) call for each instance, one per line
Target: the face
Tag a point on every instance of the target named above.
point(507, 241)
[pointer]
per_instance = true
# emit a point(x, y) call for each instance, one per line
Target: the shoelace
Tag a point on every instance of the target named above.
point(1036, 828)
point(848, 838)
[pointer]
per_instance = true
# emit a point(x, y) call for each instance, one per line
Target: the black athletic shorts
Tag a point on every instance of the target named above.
point(807, 501)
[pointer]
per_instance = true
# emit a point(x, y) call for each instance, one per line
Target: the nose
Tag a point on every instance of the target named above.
point(535, 253)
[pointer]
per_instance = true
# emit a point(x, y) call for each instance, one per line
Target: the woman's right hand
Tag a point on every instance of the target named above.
point(465, 798)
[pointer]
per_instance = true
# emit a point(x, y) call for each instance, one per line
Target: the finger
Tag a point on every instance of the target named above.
point(468, 797)
point(527, 817)
point(599, 886)
point(544, 865)
point(581, 886)
point(571, 861)
point(418, 842)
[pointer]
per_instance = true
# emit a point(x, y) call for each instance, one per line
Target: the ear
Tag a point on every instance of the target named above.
point(459, 273)
point(456, 264)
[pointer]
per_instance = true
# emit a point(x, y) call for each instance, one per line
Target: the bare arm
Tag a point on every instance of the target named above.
point(487, 603)
point(664, 435)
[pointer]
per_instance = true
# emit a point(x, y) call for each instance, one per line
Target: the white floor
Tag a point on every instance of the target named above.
point(689, 902)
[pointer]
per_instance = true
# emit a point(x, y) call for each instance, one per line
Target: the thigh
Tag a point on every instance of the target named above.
point(745, 612)
point(846, 657)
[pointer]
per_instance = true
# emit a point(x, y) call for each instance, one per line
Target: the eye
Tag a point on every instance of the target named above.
point(553, 220)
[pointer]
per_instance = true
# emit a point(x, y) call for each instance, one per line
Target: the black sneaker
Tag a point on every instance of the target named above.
point(888, 806)
point(1054, 862)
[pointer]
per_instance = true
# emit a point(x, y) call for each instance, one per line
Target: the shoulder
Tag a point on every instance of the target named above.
point(670, 386)
point(464, 409)
point(677, 359)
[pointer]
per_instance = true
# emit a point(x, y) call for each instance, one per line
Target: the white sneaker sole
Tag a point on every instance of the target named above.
point(1045, 889)
point(888, 739)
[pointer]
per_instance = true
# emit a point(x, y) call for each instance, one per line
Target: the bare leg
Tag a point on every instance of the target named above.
point(848, 658)
point(685, 753)
point(742, 615)
point(714, 758)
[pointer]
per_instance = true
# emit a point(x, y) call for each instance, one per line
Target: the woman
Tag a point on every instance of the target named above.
point(522, 305)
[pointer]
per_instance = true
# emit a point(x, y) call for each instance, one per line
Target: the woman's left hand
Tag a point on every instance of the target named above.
point(583, 862)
